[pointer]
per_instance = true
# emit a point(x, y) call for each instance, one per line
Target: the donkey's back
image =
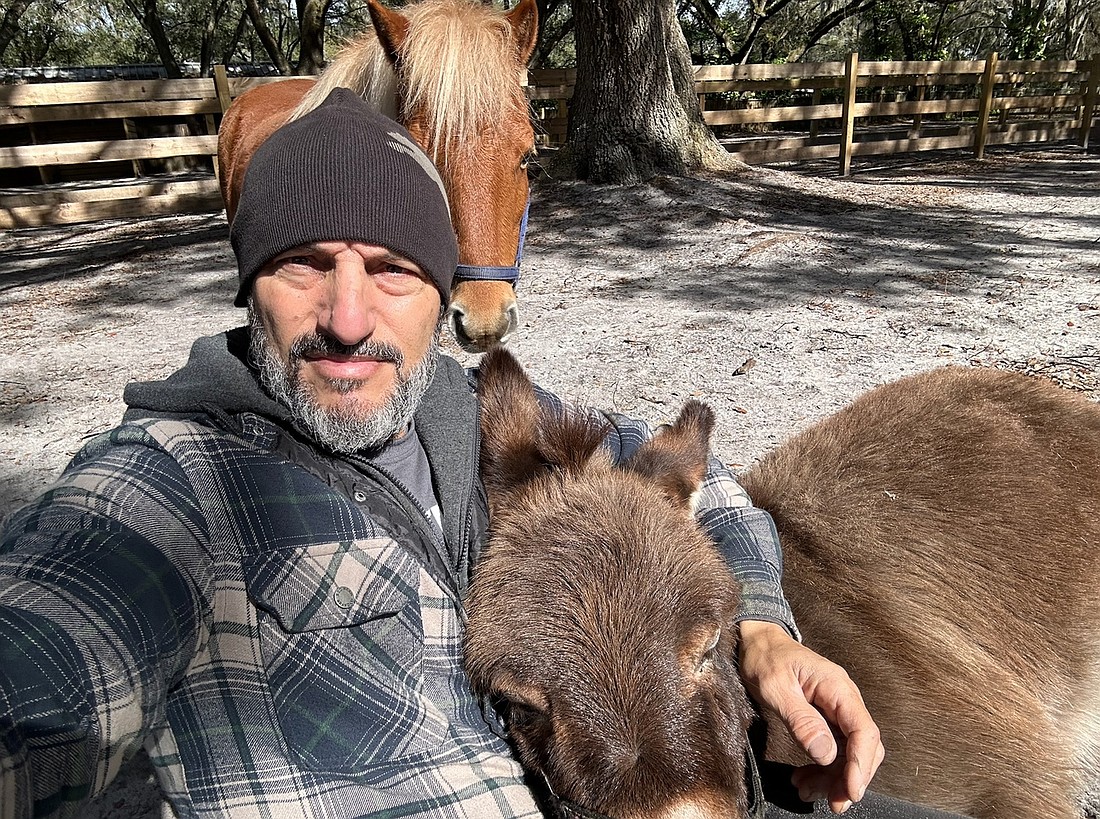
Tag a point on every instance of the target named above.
point(942, 543)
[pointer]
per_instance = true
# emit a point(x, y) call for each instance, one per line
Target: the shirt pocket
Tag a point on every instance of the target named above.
point(342, 640)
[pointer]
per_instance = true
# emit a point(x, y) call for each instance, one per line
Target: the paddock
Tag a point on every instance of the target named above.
point(776, 297)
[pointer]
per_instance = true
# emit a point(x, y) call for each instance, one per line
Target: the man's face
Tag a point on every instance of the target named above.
point(346, 335)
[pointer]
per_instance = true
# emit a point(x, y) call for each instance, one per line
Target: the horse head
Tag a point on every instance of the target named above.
point(601, 618)
point(451, 72)
point(459, 67)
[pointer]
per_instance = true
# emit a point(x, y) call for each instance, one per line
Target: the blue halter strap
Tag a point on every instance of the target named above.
point(482, 273)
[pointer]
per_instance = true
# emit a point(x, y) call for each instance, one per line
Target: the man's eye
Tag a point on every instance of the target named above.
point(398, 280)
point(298, 261)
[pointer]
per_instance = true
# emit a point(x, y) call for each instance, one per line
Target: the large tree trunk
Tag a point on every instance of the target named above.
point(634, 112)
point(148, 15)
point(311, 34)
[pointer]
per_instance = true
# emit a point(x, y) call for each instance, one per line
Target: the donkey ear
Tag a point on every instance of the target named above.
point(509, 423)
point(676, 457)
point(391, 26)
point(524, 20)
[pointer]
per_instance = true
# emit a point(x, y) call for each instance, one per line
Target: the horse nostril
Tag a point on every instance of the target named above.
point(456, 321)
point(455, 317)
point(476, 334)
point(511, 322)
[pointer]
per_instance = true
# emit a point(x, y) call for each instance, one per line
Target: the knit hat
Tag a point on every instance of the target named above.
point(343, 172)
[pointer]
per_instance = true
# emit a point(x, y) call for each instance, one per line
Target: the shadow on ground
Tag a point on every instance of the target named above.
point(872, 238)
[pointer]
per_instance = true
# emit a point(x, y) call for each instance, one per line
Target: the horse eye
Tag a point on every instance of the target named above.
point(528, 159)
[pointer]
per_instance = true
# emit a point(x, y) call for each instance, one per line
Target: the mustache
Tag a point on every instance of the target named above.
point(317, 344)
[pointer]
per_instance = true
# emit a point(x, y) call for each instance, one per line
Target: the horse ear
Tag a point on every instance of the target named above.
point(676, 457)
point(391, 26)
point(524, 20)
point(509, 423)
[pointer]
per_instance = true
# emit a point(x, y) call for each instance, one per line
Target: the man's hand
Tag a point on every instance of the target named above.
point(815, 699)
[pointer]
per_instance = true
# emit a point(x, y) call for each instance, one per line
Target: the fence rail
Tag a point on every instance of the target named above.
point(80, 151)
point(852, 108)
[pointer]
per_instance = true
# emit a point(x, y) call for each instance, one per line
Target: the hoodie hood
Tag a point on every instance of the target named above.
point(216, 380)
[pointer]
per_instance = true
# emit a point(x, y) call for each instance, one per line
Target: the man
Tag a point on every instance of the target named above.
point(258, 576)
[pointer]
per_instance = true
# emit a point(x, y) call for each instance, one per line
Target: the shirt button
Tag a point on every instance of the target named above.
point(344, 597)
point(359, 495)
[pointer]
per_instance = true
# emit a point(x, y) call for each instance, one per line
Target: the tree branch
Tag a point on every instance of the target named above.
point(266, 38)
point(718, 27)
point(9, 26)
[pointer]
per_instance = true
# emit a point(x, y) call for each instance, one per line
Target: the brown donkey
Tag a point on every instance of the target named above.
point(600, 616)
point(941, 541)
point(941, 537)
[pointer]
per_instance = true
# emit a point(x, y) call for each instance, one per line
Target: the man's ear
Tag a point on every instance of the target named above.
point(676, 457)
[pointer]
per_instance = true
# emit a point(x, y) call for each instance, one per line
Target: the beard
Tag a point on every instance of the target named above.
point(353, 425)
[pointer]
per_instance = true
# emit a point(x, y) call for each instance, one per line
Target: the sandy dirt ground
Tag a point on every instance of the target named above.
point(776, 296)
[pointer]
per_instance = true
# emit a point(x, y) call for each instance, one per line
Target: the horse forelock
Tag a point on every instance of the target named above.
point(362, 66)
point(460, 70)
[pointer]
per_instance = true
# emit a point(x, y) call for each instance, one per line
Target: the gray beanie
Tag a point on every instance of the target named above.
point(343, 172)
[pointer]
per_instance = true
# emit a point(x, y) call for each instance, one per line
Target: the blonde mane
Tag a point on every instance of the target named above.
point(458, 66)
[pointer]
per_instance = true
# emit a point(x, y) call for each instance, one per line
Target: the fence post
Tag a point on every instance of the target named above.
point(129, 128)
point(221, 88)
point(848, 119)
point(814, 123)
point(914, 126)
point(989, 80)
point(1092, 93)
point(225, 99)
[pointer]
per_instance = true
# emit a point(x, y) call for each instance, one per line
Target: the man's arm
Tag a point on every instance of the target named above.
point(96, 623)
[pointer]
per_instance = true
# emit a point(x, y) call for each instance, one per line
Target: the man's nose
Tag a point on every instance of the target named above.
point(350, 312)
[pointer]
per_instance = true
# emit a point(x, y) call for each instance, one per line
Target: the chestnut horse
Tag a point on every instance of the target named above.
point(941, 542)
point(450, 71)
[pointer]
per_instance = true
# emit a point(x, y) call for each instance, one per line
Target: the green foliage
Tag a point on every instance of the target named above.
point(1026, 30)
point(91, 32)
point(76, 32)
point(556, 28)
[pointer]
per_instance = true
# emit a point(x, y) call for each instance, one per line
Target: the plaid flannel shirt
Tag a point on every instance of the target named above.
point(277, 647)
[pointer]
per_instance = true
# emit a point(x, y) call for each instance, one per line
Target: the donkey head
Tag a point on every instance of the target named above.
point(601, 617)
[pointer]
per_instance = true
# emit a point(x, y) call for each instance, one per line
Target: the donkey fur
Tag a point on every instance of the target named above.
point(941, 541)
point(600, 616)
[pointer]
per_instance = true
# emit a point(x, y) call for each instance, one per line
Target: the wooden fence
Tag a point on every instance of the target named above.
point(81, 151)
point(111, 149)
point(803, 111)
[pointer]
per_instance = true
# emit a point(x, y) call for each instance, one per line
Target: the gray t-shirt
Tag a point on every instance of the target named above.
point(406, 461)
